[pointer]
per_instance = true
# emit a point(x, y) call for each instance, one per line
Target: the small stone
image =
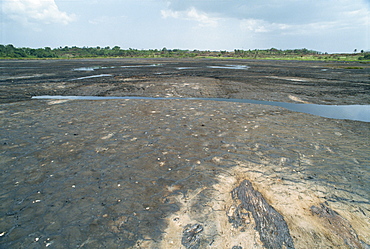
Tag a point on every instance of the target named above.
point(191, 236)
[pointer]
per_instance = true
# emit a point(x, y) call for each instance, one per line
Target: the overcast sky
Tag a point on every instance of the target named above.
point(322, 25)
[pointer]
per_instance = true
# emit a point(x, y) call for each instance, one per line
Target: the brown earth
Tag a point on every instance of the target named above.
point(182, 173)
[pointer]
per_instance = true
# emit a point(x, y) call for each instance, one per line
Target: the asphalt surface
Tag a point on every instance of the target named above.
point(145, 173)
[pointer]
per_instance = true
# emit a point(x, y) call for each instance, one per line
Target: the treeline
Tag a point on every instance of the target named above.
point(274, 52)
point(299, 53)
point(9, 51)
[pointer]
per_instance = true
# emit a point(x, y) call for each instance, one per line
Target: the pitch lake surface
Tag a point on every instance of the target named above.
point(350, 112)
point(162, 170)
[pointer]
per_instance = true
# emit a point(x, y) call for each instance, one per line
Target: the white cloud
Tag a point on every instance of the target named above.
point(257, 25)
point(262, 26)
point(278, 11)
point(340, 26)
point(191, 14)
point(35, 11)
point(107, 20)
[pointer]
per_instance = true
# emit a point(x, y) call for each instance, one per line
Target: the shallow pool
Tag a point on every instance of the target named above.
point(93, 76)
point(231, 67)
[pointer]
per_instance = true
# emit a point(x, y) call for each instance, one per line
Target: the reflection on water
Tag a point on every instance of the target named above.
point(351, 112)
point(151, 65)
point(101, 67)
point(240, 67)
point(93, 76)
point(230, 67)
point(183, 68)
point(90, 68)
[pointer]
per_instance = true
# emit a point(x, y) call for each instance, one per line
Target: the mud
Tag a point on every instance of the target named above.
point(161, 173)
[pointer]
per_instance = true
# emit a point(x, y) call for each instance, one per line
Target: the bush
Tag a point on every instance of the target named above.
point(365, 57)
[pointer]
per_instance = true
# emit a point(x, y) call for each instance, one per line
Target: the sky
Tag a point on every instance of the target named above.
point(333, 26)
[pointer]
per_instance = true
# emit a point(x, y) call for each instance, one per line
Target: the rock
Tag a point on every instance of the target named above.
point(273, 230)
point(338, 225)
point(191, 236)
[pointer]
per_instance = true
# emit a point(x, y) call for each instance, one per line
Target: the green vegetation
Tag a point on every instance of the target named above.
point(11, 52)
point(353, 68)
point(365, 57)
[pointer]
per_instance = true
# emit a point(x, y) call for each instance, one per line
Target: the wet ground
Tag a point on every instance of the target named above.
point(174, 173)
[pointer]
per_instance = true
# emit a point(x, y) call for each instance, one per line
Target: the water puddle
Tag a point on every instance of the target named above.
point(350, 112)
point(299, 79)
point(89, 69)
point(243, 67)
point(183, 68)
point(239, 67)
point(93, 76)
point(25, 76)
point(152, 65)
